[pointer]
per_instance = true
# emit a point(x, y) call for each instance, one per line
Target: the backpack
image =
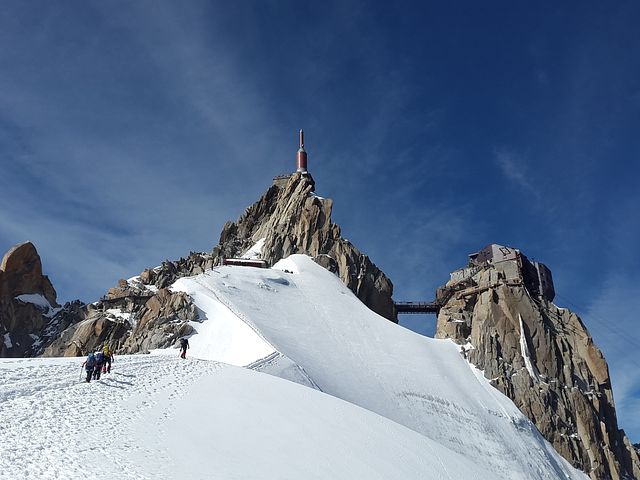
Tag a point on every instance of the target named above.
point(183, 342)
point(99, 358)
point(91, 360)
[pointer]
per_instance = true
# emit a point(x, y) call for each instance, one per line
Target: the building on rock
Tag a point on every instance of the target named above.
point(500, 309)
point(511, 266)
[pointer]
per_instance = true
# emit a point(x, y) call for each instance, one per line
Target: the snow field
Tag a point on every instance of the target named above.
point(160, 417)
point(395, 404)
point(55, 426)
point(313, 322)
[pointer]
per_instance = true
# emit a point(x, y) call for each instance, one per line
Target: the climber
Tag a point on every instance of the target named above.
point(99, 357)
point(89, 365)
point(108, 358)
point(184, 344)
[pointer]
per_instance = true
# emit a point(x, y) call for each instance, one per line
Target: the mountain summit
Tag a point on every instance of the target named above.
point(141, 313)
point(290, 218)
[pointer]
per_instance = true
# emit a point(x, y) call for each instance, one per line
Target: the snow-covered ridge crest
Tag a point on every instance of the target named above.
point(240, 424)
point(298, 321)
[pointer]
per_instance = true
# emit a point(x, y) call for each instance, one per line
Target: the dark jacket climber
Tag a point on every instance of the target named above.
point(89, 364)
point(184, 344)
point(99, 356)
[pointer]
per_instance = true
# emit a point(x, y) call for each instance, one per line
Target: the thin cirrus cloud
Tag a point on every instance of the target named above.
point(515, 169)
point(143, 191)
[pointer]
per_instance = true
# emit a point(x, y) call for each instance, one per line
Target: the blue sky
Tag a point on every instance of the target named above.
point(131, 131)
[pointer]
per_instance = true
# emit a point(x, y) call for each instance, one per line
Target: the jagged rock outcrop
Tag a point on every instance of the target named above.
point(292, 219)
point(131, 318)
point(29, 313)
point(88, 335)
point(163, 320)
point(169, 271)
point(539, 355)
point(70, 314)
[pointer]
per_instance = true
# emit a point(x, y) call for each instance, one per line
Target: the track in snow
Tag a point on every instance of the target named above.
point(55, 426)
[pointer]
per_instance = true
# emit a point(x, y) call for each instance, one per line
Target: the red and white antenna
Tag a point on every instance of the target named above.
point(302, 155)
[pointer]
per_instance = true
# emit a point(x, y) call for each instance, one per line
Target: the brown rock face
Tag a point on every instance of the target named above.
point(87, 336)
point(543, 358)
point(292, 219)
point(26, 321)
point(22, 273)
point(130, 319)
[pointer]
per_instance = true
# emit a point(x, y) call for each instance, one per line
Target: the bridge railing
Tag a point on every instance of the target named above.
point(417, 307)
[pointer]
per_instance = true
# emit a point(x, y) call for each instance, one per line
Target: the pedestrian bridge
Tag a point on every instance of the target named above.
point(417, 307)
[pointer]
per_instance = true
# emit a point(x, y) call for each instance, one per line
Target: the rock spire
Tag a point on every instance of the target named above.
point(29, 313)
point(290, 218)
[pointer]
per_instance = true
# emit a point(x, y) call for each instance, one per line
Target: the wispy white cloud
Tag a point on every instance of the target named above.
point(514, 167)
point(105, 190)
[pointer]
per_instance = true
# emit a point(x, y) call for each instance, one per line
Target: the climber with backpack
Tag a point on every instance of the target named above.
point(184, 344)
point(99, 358)
point(89, 365)
point(108, 358)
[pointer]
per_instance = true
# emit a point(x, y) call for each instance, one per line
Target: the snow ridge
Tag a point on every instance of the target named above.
point(317, 326)
point(333, 391)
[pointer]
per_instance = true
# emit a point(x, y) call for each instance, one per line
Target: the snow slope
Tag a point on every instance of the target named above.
point(368, 399)
point(308, 327)
point(160, 417)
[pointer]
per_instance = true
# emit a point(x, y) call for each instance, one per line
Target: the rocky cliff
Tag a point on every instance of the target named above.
point(30, 316)
point(130, 318)
point(291, 218)
point(541, 356)
point(142, 314)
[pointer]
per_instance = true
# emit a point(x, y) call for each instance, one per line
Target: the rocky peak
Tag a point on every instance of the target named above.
point(499, 308)
point(290, 218)
point(27, 303)
point(21, 273)
point(141, 313)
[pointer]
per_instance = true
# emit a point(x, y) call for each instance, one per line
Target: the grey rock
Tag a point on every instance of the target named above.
point(163, 320)
point(292, 219)
point(88, 335)
point(144, 321)
point(70, 314)
point(543, 358)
